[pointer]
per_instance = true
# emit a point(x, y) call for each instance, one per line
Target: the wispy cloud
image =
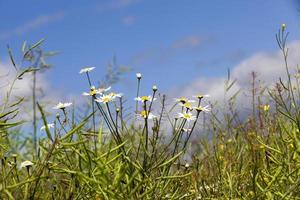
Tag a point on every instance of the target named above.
point(128, 20)
point(191, 41)
point(31, 25)
point(115, 5)
point(162, 54)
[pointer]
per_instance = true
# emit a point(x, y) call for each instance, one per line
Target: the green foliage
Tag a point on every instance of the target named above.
point(103, 156)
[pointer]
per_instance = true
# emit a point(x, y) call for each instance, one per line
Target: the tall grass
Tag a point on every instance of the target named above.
point(106, 155)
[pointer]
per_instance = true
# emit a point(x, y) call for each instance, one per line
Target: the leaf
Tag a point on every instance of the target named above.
point(45, 121)
point(24, 46)
point(11, 58)
point(30, 69)
point(77, 127)
point(33, 46)
point(8, 113)
point(170, 160)
point(9, 125)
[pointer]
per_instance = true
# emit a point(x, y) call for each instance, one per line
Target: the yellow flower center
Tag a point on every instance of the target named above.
point(106, 99)
point(92, 91)
point(187, 105)
point(186, 116)
point(144, 113)
point(183, 100)
point(145, 98)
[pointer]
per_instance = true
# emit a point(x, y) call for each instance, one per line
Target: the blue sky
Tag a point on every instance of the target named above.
point(172, 42)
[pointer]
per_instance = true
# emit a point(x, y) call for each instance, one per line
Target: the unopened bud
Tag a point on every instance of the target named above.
point(138, 76)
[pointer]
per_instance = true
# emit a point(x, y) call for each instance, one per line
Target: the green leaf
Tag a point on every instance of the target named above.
point(45, 122)
point(11, 58)
point(77, 127)
point(33, 46)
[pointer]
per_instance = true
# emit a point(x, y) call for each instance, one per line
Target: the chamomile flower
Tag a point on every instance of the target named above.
point(144, 99)
point(186, 130)
point(61, 105)
point(265, 108)
point(119, 95)
point(87, 69)
point(94, 91)
point(184, 100)
point(187, 104)
point(26, 163)
point(201, 96)
point(205, 109)
point(146, 114)
point(187, 116)
point(48, 125)
point(105, 98)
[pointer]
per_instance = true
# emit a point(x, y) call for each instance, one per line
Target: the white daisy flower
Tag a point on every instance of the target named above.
point(61, 105)
point(26, 163)
point(119, 95)
point(200, 96)
point(146, 114)
point(187, 115)
point(187, 130)
point(144, 99)
point(105, 98)
point(205, 109)
point(187, 104)
point(94, 91)
point(48, 125)
point(87, 69)
point(184, 100)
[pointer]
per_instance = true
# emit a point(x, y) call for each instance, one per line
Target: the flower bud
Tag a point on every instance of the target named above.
point(154, 88)
point(138, 76)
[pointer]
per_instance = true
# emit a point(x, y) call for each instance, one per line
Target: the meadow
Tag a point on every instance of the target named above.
point(156, 150)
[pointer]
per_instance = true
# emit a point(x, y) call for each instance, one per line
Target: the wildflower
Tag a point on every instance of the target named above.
point(62, 105)
point(184, 100)
point(26, 163)
point(94, 91)
point(144, 99)
point(146, 114)
point(87, 69)
point(138, 76)
point(201, 96)
point(105, 98)
point(119, 95)
point(187, 115)
point(48, 125)
point(266, 107)
point(283, 26)
point(205, 109)
point(154, 88)
point(186, 130)
point(187, 165)
point(187, 105)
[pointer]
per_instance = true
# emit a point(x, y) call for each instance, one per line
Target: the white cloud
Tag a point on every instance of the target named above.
point(269, 66)
point(115, 5)
point(31, 25)
point(23, 88)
